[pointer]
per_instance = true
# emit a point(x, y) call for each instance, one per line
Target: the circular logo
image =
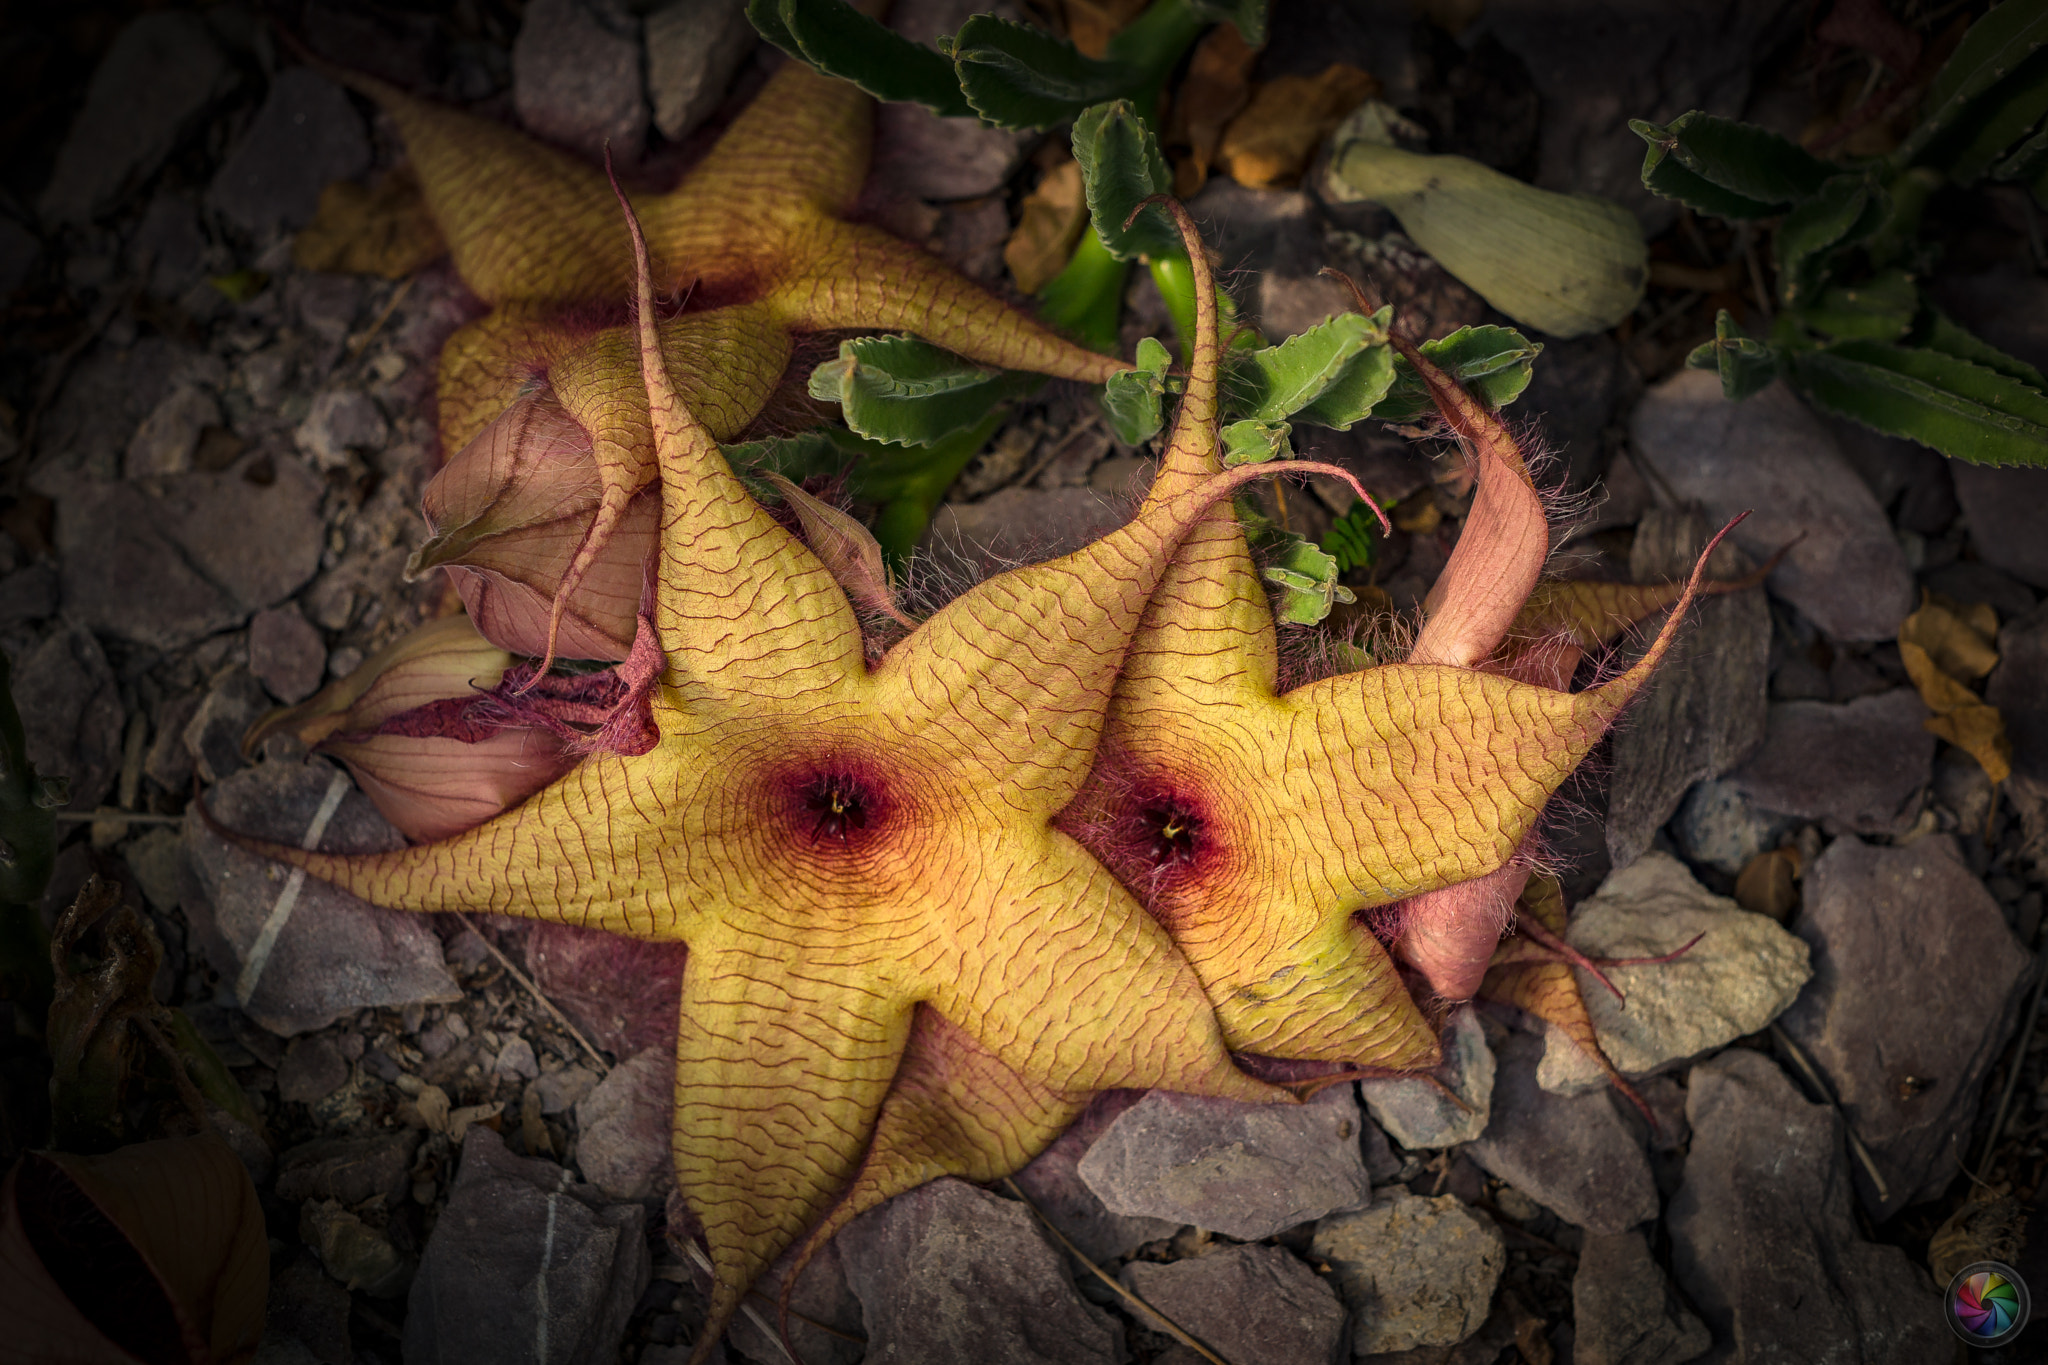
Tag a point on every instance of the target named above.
point(1987, 1304)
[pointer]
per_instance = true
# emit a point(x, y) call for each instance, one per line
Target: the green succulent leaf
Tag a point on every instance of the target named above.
point(908, 484)
point(1086, 298)
point(808, 454)
point(1996, 61)
point(1745, 364)
point(1121, 168)
point(1494, 363)
point(1017, 76)
point(1251, 441)
point(1306, 576)
point(1958, 407)
point(1847, 209)
point(1133, 399)
point(903, 391)
point(2025, 161)
point(1357, 390)
point(1942, 333)
point(1354, 539)
point(1275, 382)
point(2008, 116)
point(839, 40)
point(1729, 169)
point(1879, 309)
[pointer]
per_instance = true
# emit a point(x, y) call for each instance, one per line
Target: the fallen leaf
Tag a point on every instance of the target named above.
point(1935, 633)
point(1269, 145)
point(358, 230)
point(434, 1108)
point(1769, 884)
point(1048, 225)
point(1215, 91)
point(459, 1120)
point(1092, 23)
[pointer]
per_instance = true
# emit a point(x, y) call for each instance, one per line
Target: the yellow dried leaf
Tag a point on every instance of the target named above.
point(1269, 145)
point(386, 231)
point(1216, 90)
point(1047, 229)
point(1960, 640)
point(1092, 23)
point(1960, 717)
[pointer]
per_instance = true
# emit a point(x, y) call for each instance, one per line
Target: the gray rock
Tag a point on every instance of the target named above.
point(576, 77)
point(299, 953)
point(157, 859)
point(1418, 1115)
point(1576, 398)
point(923, 156)
point(515, 1061)
point(164, 443)
point(29, 594)
point(2007, 509)
point(1596, 66)
point(1704, 711)
point(313, 1069)
point(1857, 768)
point(821, 1295)
point(163, 72)
point(158, 571)
point(1273, 236)
point(1021, 525)
point(950, 1272)
point(341, 421)
point(286, 654)
point(325, 305)
point(1244, 1170)
point(524, 1265)
point(359, 1254)
point(693, 48)
point(349, 1170)
point(310, 1308)
point(1771, 457)
point(560, 1090)
point(1054, 1185)
point(71, 714)
point(1915, 989)
point(1969, 581)
point(110, 391)
point(168, 762)
point(168, 248)
point(1572, 1154)
point(1625, 1310)
point(623, 1127)
point(305, 135)
point(1718, 826)
point(2018, 687)
point(214, 734)
point(1252, 1305)
point(1412, 1271)
point(1766, 1205)
point(1733, 982)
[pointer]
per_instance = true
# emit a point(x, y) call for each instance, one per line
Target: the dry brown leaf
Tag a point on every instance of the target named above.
point(1769, 884)
point(1935, 634)
point(360, 231)
point(1053, 217)
point(1092, 23)
point(1216, 90)
point(1269, 145)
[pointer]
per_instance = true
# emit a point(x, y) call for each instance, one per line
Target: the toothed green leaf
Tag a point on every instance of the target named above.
point(1879, 309)
point(1962, 409)
point(1132, 400)
point(1745, 364)
point(1494, 363)
point(1942, 333)
point(1847, 209)
point(1121, 167)
point(1997, 56)
point(1307, 579)
point(1251, 441)
point(902, 391)
point(1358, 388)
point(839, 40)
point(1017, 76)
point(1729, 169)
point(1279, 381)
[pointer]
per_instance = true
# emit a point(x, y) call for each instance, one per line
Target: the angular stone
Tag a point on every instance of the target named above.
point(157, 860)
point(1969, 581)
point(1857, 768)
point(1252, 1305)
point(164, 443)
point(349, 1170)
point(1771, 457)
point(306, 135)
point(1412, 1271)
point(920, 155)
point(2007, 509)
point(576, 77)
point(1054, 1185)
point(214, 734)
point(110, 391)
point(1275, 238)
point(310, 1308)
point(1021, 525)
point(515, 1061)
point(1244, 1170)
point(286, 654)
point(313, 1069)
point(29, 594)
point(623, 1127)
point(1916, 987)
point(362, 1256)
point(2018, 687)
point(124, 577)
point(560, 1090)
point(1704, 710)
point(1418, 1115)
point(1718, 826)
point(1625, 1310)
point(163, 72)
point(1733, 982)
point(341, 421)
point(524, 1265)
point(1766, 1205)
point(693, 48)
point(168, 247)
point(70, 709)
point(1572, 1154)
point(951, 1272)
point(325, 305)
point(298, 953)
point(1575, 398)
